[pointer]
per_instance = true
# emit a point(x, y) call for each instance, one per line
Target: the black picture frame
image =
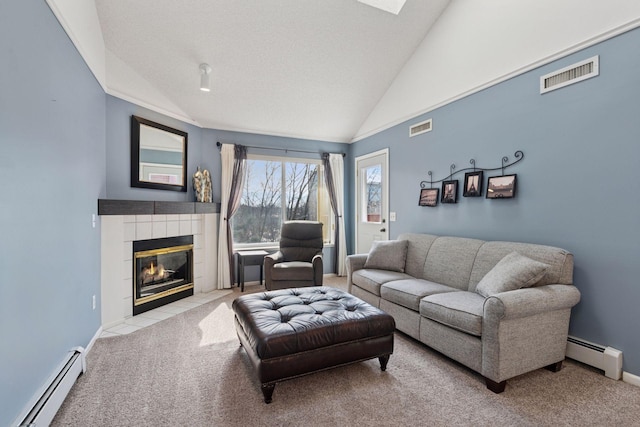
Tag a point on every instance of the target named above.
point(449, 191)
point(428, 197)
point(501, 187)
point(473, 184)
point(158, 156)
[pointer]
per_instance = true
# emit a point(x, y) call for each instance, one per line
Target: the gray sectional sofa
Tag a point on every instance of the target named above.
point(500, 308)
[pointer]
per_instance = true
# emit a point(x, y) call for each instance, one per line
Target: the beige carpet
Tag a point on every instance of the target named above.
point(190, 370)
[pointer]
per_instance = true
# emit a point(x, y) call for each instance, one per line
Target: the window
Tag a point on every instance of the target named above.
point(372, 196)
point(277, 190)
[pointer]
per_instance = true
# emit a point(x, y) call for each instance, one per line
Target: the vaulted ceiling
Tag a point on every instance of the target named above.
point(332, 70)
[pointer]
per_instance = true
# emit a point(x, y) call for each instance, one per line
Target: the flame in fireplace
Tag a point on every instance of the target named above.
point(154, 273)
point(160, 272)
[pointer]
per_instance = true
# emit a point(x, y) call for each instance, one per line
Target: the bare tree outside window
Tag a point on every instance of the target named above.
point(302, 188)
point(274, 191)
point(373, 187)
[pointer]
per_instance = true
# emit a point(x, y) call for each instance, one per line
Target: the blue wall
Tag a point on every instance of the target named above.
point(118, 117)
point(52, 169)
point(576, 185)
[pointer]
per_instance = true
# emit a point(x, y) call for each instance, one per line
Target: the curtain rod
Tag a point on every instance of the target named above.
point(219, 144)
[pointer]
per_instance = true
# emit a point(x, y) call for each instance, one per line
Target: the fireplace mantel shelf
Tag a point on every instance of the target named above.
point(149, 207)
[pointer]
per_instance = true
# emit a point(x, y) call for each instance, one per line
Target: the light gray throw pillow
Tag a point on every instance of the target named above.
point(387, 255)
point(512, 272)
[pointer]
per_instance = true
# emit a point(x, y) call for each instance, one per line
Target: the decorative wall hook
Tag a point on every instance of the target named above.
point(519, 155)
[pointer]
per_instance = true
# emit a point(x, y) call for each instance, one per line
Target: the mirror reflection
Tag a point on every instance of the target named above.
point(158, 155)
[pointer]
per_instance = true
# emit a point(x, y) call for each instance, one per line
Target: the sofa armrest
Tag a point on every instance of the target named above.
point(525, 329)
point(530, 301)
point(354, 262)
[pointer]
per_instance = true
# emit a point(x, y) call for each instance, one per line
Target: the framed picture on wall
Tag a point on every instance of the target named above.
point(428, 197)
point(450, 191)
point(501, 187)
point(472, 184)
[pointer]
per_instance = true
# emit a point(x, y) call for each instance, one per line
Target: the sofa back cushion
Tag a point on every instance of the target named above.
point(417, 250)
point(387, 255)
point(514, 271)
point(462, 263)
point(450, 261)
point(490, 253)
point(301, 240)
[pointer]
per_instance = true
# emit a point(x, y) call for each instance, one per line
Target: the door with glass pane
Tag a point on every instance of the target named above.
point(371, 199)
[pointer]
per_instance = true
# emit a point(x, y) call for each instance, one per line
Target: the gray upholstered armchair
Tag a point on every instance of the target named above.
point(298, 263)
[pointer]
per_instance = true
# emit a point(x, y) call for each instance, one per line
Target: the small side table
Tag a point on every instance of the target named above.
point(247, 258)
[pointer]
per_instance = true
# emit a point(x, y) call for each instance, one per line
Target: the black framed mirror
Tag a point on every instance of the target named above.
point(158, 156)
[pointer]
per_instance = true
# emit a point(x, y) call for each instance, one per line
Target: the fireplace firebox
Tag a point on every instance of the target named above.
point(162, 272)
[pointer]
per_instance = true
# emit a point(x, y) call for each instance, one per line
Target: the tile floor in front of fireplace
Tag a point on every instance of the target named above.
point(150, 317)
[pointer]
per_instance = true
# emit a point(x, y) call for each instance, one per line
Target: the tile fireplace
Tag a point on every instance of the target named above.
point(124, 222)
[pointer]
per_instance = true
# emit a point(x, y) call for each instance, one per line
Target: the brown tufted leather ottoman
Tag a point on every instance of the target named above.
point(293, 332)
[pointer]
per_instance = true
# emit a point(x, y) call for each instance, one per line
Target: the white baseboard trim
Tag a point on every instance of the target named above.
point(631, 379)
point(93, 340)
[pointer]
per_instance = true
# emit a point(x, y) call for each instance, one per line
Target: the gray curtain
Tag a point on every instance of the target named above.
point(328, 177)
point(235, 196)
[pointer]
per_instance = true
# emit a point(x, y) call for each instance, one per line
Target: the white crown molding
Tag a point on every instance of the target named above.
point(152, 107)
point(189, 120)
point(278, 134)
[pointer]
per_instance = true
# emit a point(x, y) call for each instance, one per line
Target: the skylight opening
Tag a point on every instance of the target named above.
point(391, 6)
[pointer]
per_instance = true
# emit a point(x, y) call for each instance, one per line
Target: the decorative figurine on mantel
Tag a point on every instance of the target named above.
point(202, 186)
point(206, 187)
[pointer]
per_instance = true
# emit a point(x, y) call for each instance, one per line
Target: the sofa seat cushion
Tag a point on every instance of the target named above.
point(292, 270)
point(409, 292)
point(460, 310)
point(370, 280)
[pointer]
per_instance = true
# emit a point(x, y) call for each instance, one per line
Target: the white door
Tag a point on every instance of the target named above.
point(372, 206)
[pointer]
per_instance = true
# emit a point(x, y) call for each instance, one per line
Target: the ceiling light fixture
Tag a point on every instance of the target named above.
point(205, 80)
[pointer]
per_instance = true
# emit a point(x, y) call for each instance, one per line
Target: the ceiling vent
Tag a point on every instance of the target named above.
point(420, 128)
point(572, 74)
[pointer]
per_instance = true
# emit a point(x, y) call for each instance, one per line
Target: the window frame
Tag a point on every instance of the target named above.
point(323, 199)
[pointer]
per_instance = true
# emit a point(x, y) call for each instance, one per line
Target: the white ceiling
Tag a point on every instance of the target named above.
point(332, 70)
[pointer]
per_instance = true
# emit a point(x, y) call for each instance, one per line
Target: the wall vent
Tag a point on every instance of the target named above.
point(572, 74)
point(420, 128)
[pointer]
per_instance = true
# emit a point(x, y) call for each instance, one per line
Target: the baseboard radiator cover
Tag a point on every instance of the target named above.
point(607, 359)
point(46, 406)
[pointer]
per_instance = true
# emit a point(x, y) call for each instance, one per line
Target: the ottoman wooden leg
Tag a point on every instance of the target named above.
point(267, 391)
point(383, 361)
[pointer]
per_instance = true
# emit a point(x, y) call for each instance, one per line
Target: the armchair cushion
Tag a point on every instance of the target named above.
point(387, 255)
point(292, 270)
point(512, 272)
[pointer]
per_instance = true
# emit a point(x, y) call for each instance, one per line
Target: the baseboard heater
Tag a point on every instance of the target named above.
point(606, 359)
point(46, 406)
